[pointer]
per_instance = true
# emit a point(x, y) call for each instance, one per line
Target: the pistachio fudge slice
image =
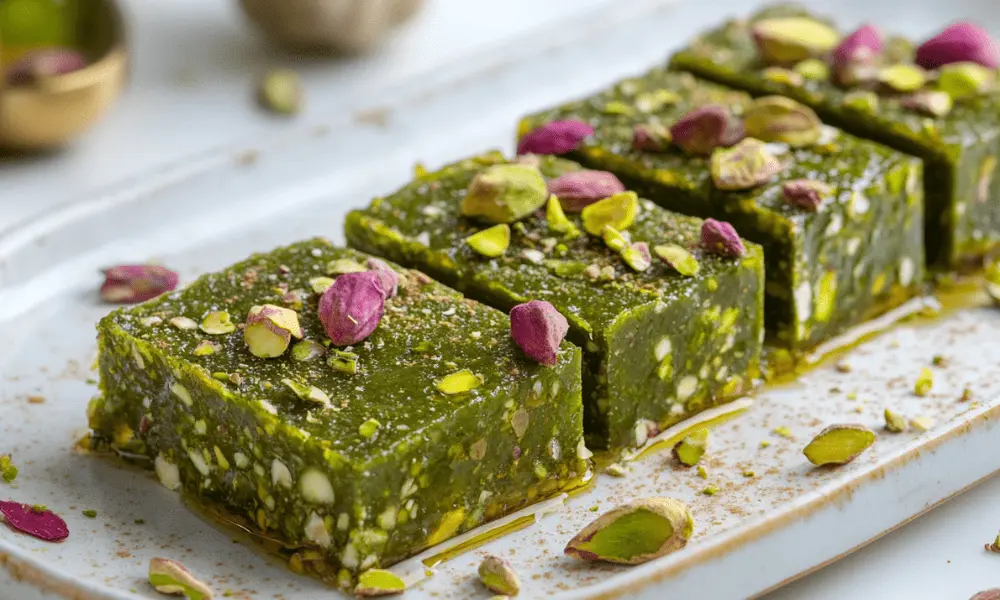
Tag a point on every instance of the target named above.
point(663, 340)
point(938, 102)
point(840, 219)
point(351, 456)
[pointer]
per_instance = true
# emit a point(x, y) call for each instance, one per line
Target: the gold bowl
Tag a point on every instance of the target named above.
point(52, 109)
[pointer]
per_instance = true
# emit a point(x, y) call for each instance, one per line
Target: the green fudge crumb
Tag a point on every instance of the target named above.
point(7, 470)
point(710, 490)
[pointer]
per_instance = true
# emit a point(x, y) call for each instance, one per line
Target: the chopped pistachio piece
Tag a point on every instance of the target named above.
point(369, 428)
point(320, 284)
point(894, 422)
point(637, 256)
point(678, 259)
point(8, 472)
point(921, 424)
point(925, 382)
point(557, 219)
point(307, 350)
point(505, 193)
point(459, 382)
point(217, 323)
point(184, 323)
point(309, 393)
point(613, 238)
point(902, 77)
point(341, 266)
point(170, 577)
point(635, 533)
point(710, 490)
point(616, 211)
point(378, 582)
point(491, 242)
point(780, 119)
point(281, 92)
point(343, 361)
point(690, 450)
point(616, 470)
point(744, 166)
point(498, 576)
point(813, 68)
point(839, 444)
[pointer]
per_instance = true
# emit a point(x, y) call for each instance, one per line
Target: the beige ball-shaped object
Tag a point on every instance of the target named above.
point(340, 25)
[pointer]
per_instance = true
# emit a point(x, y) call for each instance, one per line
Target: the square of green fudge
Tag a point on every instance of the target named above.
point(959, 148)
point(659, 346)
point(860, 254)
point(352, 457)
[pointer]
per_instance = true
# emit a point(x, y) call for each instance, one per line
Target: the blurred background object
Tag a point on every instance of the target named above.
point(64, 64)
point(328, 25)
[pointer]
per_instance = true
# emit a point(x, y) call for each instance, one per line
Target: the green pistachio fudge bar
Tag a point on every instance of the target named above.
point(668, 328)
point(353, 454)
point(840, 219)
point(938, 101)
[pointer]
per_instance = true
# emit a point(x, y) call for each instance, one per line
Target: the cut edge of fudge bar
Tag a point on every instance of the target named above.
point(266, 465)
point(804, 306)
point(959, 147)
point(649, 375)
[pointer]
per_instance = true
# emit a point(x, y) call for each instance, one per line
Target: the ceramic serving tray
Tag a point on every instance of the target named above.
point(773, 517)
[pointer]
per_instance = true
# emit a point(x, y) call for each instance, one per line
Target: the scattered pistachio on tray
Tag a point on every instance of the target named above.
point(635, 533)
point(378, 582)
point(170, 577)
point(839, 444)
point(690, 450)
point(894, 422)
point(280, 92)
point(499, 576)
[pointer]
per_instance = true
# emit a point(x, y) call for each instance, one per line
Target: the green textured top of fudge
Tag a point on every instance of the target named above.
point(729, 53)
point(542, 263)
point(427, 333)
point(846, 164)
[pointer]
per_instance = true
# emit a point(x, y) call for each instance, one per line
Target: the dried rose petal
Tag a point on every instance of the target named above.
point(388, 278)
point(352, 307)
point(702, 130)
point(721, 238)
point(44, 63)
point(577, 190)
point(129, 284)
point(42, 524)
point(557, 137)
point(538, 328)
point(861, 47)
point(959, 42)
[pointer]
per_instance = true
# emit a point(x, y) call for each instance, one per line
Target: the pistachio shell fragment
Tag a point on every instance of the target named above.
point(894, 422)
point(505, 193)
point(8, 472)
point(635, 533)
point(637, 256)
point(459, 382)
point(806, 193)
point(965, 80)
point(378, 582)
point(933, 103)
point(678, 259)
point(689, 451)
point(578, 189)
point(744, 166)
point(491, 242)
point(498, 576)
point(217, 323)
point(788, 40)
point(617, 211)
point(538, 328)
point(557, 219)
point(170, 577)
point(651, 137)
point(839, 444)
point(902, 78)
point(780, 119)
point(280, 92)
point(269, 330)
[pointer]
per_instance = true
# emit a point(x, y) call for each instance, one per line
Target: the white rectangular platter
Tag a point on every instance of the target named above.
point(754, 534)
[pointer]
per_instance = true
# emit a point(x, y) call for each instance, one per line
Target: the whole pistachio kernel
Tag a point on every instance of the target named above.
point(557, 219)
point(780, 119)
point(839, 444)
point(499, 576)
point(280, 92)
point(789, 40)
point(933, 103)
point(806, 193)
point(814, 69)
point(170, 577)
point(613, 238)
point(269, 330)
point(861, 100)
point(689, 450)
point(490, 242)
point(617, 211)
point(965, 80)
point(635, 533)
point(307, 350)
point(377, 582)
point(505, 193)
point(651, 137)
point(637, 256)
point(861, 47)
point(342, 361)
point(744, 166)
point(902, 78)
point(217, 323)
point(894, 422)
point(678, 259)
point(459, 382)
point(538, 328)
point(205, 348)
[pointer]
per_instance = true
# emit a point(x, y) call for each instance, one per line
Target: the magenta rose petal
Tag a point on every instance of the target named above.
point(44, 524)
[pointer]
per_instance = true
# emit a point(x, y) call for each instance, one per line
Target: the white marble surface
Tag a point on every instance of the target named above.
point(195, 62)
